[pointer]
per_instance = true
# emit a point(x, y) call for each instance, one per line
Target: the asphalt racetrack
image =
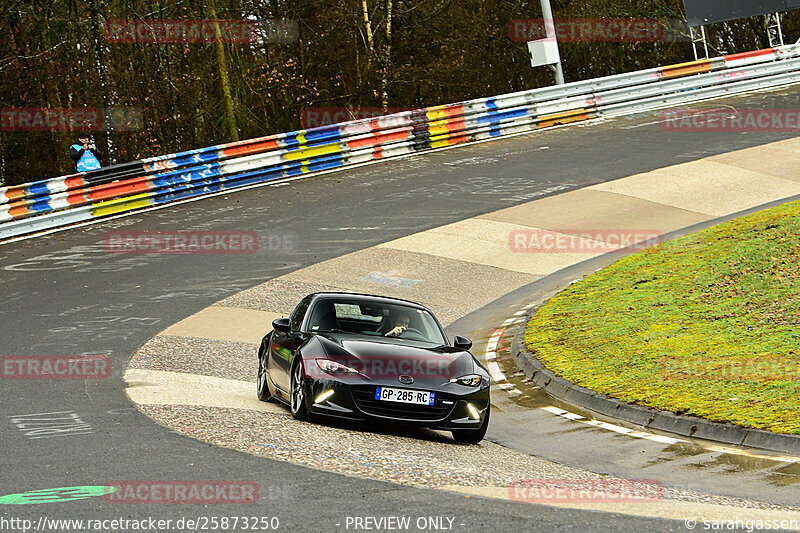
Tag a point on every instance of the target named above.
point(64, 294)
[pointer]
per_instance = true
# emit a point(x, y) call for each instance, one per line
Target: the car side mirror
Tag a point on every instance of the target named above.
point(282, 324)
point(462, 343)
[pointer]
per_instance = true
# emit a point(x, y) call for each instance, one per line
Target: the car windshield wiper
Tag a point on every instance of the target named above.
point(334, 330)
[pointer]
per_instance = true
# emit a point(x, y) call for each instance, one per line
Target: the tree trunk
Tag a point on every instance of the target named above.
point(387, 58)
point(101, 72)
point(229, 119)
point(368, 27)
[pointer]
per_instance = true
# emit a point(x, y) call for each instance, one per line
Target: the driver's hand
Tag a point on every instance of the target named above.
point(396, 331)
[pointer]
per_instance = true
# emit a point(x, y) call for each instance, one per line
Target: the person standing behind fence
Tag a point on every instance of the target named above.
point(85, 154)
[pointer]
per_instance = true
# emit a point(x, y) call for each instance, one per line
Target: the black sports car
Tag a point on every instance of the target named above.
point(364, 357)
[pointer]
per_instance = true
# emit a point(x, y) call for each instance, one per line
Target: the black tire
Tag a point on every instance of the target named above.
point(297, 394)
point(262, 386)
point(473, 436)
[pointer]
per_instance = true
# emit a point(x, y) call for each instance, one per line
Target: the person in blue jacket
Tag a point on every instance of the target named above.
point(85, 154)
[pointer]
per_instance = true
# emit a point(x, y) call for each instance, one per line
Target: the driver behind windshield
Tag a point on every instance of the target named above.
point(400, 324)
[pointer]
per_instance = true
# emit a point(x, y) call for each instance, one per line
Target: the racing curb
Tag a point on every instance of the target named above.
point(686, 426)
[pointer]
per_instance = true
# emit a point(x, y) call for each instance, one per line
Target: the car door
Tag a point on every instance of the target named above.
point(283, 346)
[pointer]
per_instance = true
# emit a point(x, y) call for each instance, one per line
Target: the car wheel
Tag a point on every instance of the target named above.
point(298, 394)
point(263, 388)
point(473, 436)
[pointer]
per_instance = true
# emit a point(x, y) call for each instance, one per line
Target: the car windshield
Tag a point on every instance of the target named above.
point(375, 319)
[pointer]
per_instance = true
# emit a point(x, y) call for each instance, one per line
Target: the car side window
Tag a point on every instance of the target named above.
point(299, 313)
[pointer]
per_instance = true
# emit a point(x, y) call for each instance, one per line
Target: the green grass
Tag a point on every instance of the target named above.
point(706, 325)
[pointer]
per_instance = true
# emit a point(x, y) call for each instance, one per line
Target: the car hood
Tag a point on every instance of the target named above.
point(387, 362)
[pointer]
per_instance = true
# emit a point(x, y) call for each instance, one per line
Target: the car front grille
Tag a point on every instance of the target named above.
point(365, 400)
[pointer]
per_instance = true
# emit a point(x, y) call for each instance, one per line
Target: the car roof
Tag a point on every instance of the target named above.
point(366, 297)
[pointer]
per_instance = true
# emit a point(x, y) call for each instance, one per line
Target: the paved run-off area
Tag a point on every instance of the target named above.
point(198, 376)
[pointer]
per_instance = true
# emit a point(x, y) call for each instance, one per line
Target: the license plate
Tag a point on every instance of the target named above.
point(405, 396)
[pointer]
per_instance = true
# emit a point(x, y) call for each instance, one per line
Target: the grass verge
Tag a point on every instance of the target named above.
point(705, 325)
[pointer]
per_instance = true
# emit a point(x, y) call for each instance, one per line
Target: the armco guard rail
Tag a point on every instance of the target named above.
point(62, 201)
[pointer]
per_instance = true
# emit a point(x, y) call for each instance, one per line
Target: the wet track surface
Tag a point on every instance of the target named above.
point(65, 295)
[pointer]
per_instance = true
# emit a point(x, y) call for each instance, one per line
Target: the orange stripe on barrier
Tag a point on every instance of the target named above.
point(686, 69)
point(117, 189)
point(251, 148)
point(378, 139)
point(75, 182)
point(15, 193)
point(77, 197)
point(565, 117)
point(19, 211)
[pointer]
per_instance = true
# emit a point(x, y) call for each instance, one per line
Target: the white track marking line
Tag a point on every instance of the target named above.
point(494, 370)
point(498, 377)
point(734, 451)
point(610, 427)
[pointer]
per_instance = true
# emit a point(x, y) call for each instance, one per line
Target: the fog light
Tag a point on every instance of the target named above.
point(473, 413)
point(324, 396)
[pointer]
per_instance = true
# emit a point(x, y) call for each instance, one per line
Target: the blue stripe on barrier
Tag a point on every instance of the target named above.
point(291, 141)
point(37, 188)
point(197, 158)
point(253, 177)
point(187, 175)
point(323, 136)
point(187, 190)
point(326, 163)
point(40, 205)
point(494, 118)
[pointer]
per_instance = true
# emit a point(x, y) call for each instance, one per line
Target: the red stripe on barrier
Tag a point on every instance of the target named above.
point(746, 55)
point(250, 148)
point(454, 110)
point(120, 188)
point(75, 182)
point(379, 139)
point(458, 139)
point(77, 197)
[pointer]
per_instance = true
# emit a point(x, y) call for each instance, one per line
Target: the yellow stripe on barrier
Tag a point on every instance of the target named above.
point(436, 113)
point(118, 205)
point(308, 153)
point(686, 69)
point(564, 117)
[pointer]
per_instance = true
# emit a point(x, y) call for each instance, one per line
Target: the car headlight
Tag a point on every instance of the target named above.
point(471, 380)
point(332, 367)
